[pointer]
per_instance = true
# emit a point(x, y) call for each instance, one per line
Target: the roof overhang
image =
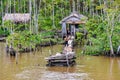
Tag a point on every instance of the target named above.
point(76, 22)
point(74, 18)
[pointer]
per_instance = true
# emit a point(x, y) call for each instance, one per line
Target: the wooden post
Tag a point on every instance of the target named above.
point(41, 49)
point(67, 59)
point(16, 57)
point(51, 47)
point(50, 52)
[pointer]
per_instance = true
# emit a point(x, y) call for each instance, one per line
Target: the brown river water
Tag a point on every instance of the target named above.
point(32, 66)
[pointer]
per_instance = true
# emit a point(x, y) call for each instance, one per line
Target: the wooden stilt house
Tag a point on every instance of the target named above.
point(73, 20)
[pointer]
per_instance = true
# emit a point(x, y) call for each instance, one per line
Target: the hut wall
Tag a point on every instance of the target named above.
point(64, 31)
point(73, 30)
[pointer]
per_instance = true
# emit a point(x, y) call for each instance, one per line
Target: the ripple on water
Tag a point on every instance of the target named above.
point(36, 74)
point(25, 75)
point(64, 76)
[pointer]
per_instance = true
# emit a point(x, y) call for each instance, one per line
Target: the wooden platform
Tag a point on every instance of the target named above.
point(63, 60)
point(62, 63)
point(2, 38)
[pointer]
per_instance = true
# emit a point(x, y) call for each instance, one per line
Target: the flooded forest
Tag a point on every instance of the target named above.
point(59, 39)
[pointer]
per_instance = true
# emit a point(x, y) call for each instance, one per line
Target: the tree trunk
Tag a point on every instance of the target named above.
point(53, 14)
point(111, 47)
point(71, 4)
point(30, 11)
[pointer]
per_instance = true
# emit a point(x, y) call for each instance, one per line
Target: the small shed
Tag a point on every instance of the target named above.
point(73, 20)
point(17, 17)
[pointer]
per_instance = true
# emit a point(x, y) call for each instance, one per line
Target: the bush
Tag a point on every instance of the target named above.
point(24, 38)
point(4, 32)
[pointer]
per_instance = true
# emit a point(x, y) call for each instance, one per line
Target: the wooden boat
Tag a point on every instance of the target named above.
point(61, 59)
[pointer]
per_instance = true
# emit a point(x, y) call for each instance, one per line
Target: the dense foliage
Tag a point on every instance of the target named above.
point(103, 25)
point(24, 39)
point(4, 32)
point(98, 37)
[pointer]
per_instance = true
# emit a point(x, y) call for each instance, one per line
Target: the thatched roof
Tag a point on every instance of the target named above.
point(17, 17)
point(74, 18)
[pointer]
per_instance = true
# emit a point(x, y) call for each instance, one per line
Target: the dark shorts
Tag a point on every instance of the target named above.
point(66, 43)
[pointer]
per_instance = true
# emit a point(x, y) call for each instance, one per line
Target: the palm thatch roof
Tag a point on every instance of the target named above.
point(17, 17)
point(74, 18)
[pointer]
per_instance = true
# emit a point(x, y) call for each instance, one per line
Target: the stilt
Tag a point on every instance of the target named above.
point(50, 52)
point(67, 60)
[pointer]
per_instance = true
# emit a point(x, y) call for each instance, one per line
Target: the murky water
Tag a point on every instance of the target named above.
point(31, 66)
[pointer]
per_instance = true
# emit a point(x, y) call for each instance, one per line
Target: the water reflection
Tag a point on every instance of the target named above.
point(62, 69)
point(118, 61)
point(114, 68)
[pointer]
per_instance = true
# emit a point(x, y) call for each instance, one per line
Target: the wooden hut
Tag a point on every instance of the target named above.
point(17, 17)
point(73, 20)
